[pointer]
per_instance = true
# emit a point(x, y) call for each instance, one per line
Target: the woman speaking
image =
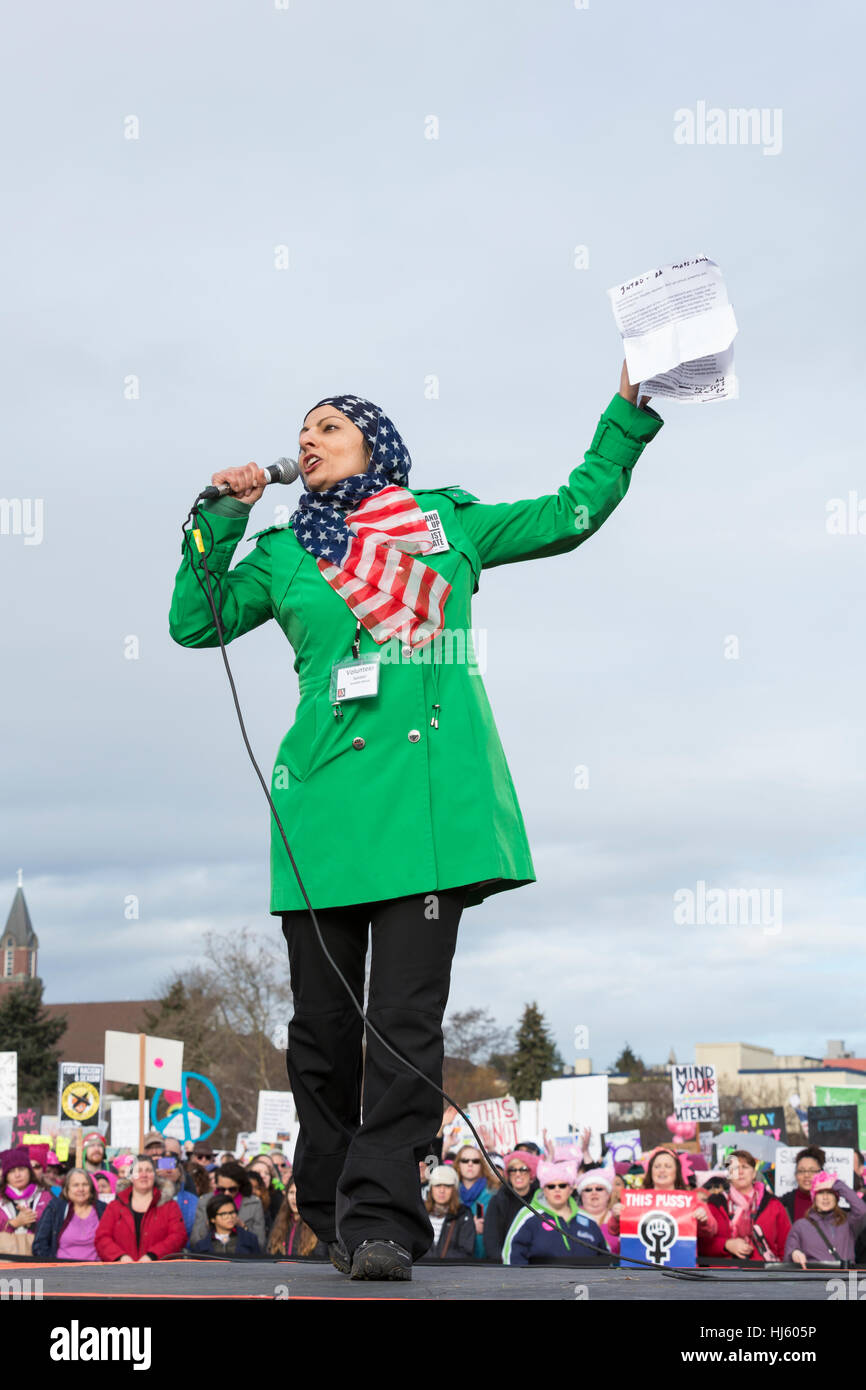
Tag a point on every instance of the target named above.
point(391, 784)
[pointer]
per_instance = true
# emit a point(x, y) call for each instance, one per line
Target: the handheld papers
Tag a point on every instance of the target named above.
point(678, 328)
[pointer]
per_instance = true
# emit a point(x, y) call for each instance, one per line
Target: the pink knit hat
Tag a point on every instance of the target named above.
point(563, 1171)
point(603, 1176)
point(530, 1161)
point(823, 1177)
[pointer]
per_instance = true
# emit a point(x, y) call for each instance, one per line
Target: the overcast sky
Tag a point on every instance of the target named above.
point(409, 257)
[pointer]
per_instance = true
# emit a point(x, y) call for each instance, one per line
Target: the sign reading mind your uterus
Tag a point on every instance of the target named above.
point(696, 1092)
point(140, 1060)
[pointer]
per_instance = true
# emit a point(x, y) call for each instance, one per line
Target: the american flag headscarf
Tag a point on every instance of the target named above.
point(364, 530)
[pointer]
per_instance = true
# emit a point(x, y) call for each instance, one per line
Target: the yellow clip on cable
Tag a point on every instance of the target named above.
point(198, 540)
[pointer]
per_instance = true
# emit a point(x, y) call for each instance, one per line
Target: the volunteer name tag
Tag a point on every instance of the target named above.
point(437, 535)
point(353, 680)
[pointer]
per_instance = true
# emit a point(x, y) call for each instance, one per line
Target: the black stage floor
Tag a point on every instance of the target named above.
point(179, 1280)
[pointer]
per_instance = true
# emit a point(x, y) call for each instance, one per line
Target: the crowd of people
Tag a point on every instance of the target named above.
point(532, 1205)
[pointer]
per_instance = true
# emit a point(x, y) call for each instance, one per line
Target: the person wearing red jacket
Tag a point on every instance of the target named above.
point(136, 1227)
point(751, 1224)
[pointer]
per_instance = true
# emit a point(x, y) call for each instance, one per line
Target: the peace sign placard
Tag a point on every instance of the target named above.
point(185, 1110)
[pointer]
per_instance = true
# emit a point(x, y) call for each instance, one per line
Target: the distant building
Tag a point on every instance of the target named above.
point(762, 1077)
point(84, 1039)
point(19, 945)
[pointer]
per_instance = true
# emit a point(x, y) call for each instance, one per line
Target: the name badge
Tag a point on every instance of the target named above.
point(355, 680)
point(437, 535)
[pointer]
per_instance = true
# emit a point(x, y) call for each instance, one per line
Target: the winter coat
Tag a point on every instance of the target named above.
point(440, 795)
point(796, 1204)
point(770, 1216)
point(544, 1236)
point(251, 1214)
point(50, 1227)
point(162, 1229)
point(456, 1237)
point(39, 1201)
point(245, 1244)
point(501, 1211)
point(188, 1204)
point(803, 1235)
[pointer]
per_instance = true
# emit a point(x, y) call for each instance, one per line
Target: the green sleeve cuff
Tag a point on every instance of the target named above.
point(640, 425)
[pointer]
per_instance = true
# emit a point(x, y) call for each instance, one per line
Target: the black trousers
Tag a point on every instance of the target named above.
point(365, 1119)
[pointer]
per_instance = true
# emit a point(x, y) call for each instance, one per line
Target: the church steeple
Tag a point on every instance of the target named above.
point(18, 943)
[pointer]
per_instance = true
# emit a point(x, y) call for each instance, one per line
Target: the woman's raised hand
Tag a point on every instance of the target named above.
point(628, 391)
point(247, 484)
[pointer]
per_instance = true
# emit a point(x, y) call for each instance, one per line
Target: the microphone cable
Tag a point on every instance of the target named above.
point(193, 541)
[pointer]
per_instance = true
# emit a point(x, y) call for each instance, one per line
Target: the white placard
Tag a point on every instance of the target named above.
point(275, 1115)
point(123, 1118)
point(623, 1145)
point(575, 1103)
point(838, 1161)
point(530, 1125)
point(496, 1121)
point(761, 1146)
point(163, 1060)
point(696, 1093)
point(9, 1083)
point(175, 1130)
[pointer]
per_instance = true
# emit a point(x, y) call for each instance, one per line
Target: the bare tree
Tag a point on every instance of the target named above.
point(225, 1011)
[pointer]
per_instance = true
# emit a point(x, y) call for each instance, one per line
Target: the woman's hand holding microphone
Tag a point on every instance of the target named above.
point(247, 484)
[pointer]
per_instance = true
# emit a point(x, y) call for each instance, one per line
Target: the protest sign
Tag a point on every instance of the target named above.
point(123, 1118)
point(162, 1061)
point(496, 1121)
point(27, 1121)
point(846, 1095)
point(678, 328)
point(177, 1125)
point(79, 1092)
point(837, 1125)
point(763, 1122)
point(696, 1093)
point(9, 1084)
point(276, 1111)
point(530, 1124)
point(660, 1227)
point(575, 1103)
point(59, 1144)
point(836, 1160)
point(762, 1147)
point(623, 1145)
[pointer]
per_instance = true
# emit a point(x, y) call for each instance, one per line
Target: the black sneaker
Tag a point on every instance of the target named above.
point(381, 1259)
point(339, 1256)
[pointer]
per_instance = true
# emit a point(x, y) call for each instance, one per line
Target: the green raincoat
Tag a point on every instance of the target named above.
point(408, 791)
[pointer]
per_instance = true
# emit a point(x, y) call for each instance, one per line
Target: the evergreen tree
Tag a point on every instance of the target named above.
point(25, 1028)
point(535, 1058)
point(629, 1064)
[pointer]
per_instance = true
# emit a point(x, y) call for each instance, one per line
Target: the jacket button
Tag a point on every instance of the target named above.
point(358, 743)
point(406, 653)
point(413, 736)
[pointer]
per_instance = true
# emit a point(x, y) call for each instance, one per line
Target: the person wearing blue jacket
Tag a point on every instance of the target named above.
point(545, 1235)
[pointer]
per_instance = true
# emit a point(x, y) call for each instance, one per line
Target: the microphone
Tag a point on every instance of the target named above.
point(283, 471)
